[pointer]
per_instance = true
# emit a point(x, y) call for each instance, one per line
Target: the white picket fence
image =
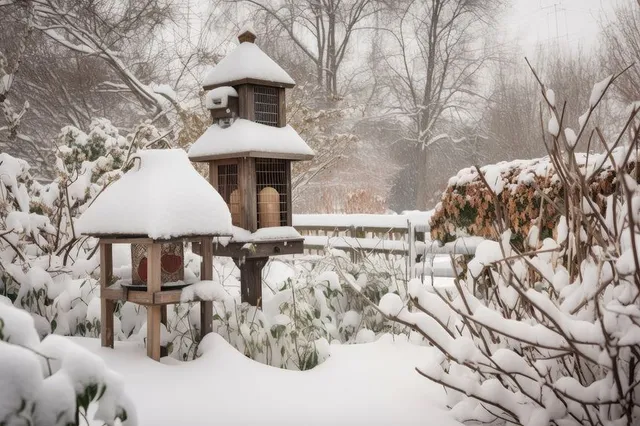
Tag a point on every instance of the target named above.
point(405, 235)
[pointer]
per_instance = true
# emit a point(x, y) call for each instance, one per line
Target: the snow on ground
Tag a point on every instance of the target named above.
point(366, 384)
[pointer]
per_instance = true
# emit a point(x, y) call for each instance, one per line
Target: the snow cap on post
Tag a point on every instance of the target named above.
point(161, 197)
point(247, 34)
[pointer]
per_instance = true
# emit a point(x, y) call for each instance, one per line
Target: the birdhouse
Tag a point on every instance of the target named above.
point(223, 104)
point(249, 148)
point(156, 207)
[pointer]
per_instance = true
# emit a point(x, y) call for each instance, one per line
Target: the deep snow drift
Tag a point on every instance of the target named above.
point(366, 384)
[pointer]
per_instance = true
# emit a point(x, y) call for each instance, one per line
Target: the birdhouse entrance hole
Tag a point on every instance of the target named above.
point(271, 182)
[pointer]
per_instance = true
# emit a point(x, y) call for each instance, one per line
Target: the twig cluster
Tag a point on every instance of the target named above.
point(551, 334)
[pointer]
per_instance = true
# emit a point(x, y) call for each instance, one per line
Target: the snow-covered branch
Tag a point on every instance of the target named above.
point(549, 334)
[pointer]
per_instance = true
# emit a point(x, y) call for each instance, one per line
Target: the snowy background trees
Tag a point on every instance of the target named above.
point(407, 92)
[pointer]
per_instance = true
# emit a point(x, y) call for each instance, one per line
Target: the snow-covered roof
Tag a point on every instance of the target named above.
point(219, 97)
point(163, 197)
point(245, 138)
point(247, 63)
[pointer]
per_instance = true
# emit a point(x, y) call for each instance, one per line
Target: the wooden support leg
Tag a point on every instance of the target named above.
point(206, 318)
point(251, 280)
point(163, 320)
point(154, 312)
point(106, 322)
point(106, 306)
point(153, 331)
point(206, 273)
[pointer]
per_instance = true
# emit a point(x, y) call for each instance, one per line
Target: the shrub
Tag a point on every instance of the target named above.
point(531, 194)
point(548, 335)
point(53, 381)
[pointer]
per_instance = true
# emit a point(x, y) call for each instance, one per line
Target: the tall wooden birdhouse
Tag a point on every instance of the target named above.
point(249, 149)
point(249, 146)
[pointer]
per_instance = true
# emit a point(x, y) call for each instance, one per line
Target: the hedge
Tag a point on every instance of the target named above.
point(468, 206)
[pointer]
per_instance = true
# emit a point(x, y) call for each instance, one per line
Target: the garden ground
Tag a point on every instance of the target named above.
point(365, 384)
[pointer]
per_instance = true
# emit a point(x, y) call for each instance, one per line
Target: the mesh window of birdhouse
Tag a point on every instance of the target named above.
point(272, 192)
point(266, 105)
point(228, 189)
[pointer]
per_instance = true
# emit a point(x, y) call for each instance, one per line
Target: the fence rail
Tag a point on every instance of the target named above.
point(403, 235)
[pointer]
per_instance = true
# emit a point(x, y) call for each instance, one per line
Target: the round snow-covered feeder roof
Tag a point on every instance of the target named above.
point(245, 138)
point(161, 197)
point(247, 63)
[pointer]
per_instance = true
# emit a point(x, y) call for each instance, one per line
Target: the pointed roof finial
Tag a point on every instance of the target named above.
point(247, 34)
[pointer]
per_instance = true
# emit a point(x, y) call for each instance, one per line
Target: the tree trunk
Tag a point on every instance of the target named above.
point(422, 178)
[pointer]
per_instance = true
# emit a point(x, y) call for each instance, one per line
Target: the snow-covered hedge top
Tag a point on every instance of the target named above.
point(247, 61)
point(527, 170)
point(249, 138)
point(162, 197)
point(467, 205)
point(219, 97)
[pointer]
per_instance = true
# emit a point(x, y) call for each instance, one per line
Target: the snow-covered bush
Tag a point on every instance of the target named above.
point(548, 335)
point(530, 192)
point(45, 267)
point(308, 303)
point(54, 381)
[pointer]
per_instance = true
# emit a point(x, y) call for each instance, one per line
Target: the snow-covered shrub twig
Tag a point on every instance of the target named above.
point(307, 304)
point(548, 334)
point(54, 381)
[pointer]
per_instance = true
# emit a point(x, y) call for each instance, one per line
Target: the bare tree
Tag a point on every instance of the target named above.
point(430, 75)
point(84, 60)
point(321, 29)
point(621, 42)
point(10, 134)
point(512, 115)
point(104, 30)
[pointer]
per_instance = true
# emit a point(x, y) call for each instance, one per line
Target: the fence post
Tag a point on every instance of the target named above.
point(355, 255)
point(411, 250)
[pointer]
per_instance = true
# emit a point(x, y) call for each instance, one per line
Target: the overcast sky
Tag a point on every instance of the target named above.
point(567, 22)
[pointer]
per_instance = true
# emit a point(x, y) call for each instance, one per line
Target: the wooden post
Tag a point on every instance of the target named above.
point(106, 306)
point(251, 279)
point(206, 273)
point(154, 312)
point(163, 320)
point(282, 107)
point(248, 194)
point(411, 251)
point(355, 255)
point(246, 109)
point(289, 194)
point(213, 174)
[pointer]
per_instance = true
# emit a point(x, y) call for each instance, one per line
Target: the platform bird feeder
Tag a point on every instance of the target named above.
point(156, 207)
point(249, 149)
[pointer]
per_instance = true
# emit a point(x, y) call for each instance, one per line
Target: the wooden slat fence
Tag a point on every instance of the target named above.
point(391, 235)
